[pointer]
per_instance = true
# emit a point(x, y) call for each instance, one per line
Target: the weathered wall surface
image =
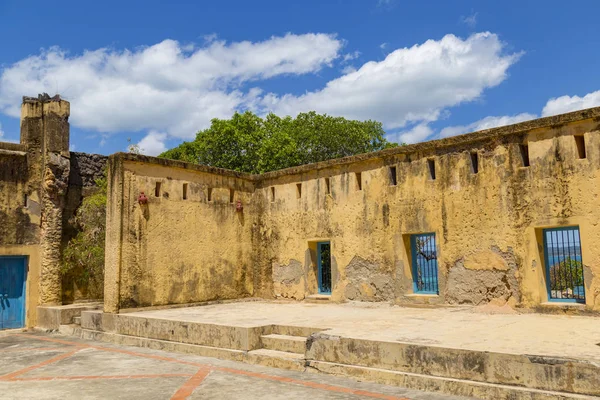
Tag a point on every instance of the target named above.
point(33, 179)
point(487, 221)
point(20, 217)
point(487, 224)
point(85, 170)
point(19, 224)
point(172, 249)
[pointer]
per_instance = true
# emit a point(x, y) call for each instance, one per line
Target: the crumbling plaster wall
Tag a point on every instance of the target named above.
point(173, 250)
point(33, 178)
point(487, 224)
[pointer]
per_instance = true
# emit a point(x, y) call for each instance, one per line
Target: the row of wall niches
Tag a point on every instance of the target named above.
point(431, 167)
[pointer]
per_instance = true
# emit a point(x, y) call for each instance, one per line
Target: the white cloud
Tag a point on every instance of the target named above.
point(564, 104)
point(418, 133)
point(411, 85)
point(351, 56)
point(348, 69)
point(469, 20)
point(1, 132)
point(153, 143)
point(485, 123)
point(382, 46)
point(166, 87)
point(554, 106)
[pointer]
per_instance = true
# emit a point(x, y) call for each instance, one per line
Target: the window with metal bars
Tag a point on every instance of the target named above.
point(424, 263)
point(564, 265)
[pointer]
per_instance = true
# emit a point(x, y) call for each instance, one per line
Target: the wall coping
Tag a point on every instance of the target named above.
point(486, 135)
point(13, 147)
point(139, 158)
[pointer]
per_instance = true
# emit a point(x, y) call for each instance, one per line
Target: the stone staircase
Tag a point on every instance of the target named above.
point(462, 372)
point(284, 349)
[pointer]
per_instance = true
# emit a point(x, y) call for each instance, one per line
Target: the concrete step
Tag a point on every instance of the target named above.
point(70, 330)
point(277, 359)
point(456, 387)
point(287, 343)
point(284, 360)
point(318, 298)
point(77, 320)
point(535, 372)
point(290, 330)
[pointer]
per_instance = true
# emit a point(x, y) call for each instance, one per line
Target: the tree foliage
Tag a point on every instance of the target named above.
point(566, 274)
point(249, 143)
point(83, 257)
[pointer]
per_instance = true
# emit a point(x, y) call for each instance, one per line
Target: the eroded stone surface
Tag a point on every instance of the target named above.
point(366, 282)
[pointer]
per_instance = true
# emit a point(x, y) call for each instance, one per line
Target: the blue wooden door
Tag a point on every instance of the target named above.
point(324, 261)
point(12, 292)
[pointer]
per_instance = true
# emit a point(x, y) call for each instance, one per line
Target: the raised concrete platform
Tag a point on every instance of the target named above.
point(458, 351)
point(50, 318)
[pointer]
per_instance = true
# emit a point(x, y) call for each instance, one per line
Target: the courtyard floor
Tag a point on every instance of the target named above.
point(43, 366)
point(462, 327)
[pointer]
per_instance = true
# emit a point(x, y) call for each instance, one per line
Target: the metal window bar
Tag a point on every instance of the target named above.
point(424, 262)
point(324, 268)
point(564, 264)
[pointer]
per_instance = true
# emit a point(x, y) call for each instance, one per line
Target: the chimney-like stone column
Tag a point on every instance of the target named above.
point(45, 129)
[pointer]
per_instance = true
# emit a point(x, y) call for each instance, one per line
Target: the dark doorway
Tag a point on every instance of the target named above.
point(324, 261)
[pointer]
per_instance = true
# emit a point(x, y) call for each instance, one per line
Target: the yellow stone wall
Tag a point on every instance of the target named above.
point(175, 250)
point(487, 224)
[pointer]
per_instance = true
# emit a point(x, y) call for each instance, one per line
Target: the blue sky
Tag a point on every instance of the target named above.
point(157, 72)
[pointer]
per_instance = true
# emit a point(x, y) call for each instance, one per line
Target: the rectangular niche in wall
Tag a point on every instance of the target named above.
point(327, 186)
point(393, 176)
point(231, 195)
point(524, 150)
point(431, 165)
point(474, 162)
point(157, 189)
point(272, 193)
point(580, 143)
point(185, 191)
point(298, 190)
point(209, 194)
point(358, 181)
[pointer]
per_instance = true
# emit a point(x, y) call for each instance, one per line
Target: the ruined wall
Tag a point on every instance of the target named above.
point(487, 224)
point(485, 201)
point(18, 223)
point(85, 170)
point(20, 217)
point(172, 249)
point(33, 177)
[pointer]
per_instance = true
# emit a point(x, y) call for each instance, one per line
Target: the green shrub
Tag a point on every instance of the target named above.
point(566, 274)
point(83, 257)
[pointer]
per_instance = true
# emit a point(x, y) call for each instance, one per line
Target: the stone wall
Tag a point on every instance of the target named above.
point(33, 181)
point(186, 243)
point(485, 201)
point(85, 170)
point(41, 186)
point(487, 221)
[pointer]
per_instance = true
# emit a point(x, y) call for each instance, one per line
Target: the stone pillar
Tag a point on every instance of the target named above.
point(45, 129)
point(114, 234)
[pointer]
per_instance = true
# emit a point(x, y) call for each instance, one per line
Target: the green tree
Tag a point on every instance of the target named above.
point(249, 143)
point(566, 274)
point(83, 256)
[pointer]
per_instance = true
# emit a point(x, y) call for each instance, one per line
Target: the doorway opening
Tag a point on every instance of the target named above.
point(324, 267)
